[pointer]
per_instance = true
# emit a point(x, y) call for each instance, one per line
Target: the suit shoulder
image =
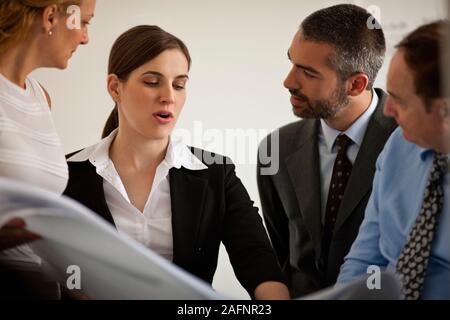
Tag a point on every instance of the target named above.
point(387, 123)
point(78, 161)
point(210, 158)
point(70, 155)
point(288, 134)
point(292, 128)
point(80, 155)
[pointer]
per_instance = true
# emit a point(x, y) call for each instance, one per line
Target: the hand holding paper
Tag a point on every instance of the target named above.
point(14, 234)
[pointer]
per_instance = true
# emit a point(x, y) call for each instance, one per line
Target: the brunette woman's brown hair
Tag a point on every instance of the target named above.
point(133, 49)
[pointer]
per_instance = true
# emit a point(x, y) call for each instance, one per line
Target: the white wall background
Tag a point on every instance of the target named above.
point(239, 63)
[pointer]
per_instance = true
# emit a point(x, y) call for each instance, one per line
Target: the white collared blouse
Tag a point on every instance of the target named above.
point(153, 226)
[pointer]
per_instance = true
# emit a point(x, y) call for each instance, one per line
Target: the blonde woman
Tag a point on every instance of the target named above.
point(33, 34)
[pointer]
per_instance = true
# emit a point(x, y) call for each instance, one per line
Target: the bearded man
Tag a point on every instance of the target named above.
point(314, 204)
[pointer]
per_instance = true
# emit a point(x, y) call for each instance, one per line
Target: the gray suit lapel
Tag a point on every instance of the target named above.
point(304, 171)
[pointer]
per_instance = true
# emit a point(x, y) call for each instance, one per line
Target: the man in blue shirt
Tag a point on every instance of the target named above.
point(407, 223)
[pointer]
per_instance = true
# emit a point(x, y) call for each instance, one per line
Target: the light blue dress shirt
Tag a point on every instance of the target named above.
point(328, 151)
point(402, 173)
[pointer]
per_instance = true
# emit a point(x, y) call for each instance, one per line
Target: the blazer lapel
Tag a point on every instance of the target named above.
point(89, 190)
point(363, 171)
point(304, 171)
point(187, 192)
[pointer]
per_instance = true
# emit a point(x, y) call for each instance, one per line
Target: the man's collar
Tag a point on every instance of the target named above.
point(357, 131)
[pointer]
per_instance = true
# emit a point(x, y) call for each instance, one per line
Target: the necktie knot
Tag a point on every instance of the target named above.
point(342, 143)
point(441, 164)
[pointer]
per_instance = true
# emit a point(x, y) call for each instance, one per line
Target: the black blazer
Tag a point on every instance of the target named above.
point(291, 201)
point(208, 207)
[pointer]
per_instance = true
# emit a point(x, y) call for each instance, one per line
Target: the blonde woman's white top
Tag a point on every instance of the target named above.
point(30, 149)
point(31, 152)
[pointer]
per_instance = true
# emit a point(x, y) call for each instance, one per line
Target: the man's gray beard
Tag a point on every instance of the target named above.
point(325, 109)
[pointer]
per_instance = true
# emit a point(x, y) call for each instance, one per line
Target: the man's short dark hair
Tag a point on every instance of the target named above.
point(422, 51)
point(356, 36)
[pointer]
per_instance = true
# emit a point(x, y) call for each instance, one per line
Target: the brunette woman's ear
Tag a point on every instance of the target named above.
point(114, 87)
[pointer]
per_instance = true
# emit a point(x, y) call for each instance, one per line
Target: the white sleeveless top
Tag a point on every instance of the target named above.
point(30, 149)
point(31, 152)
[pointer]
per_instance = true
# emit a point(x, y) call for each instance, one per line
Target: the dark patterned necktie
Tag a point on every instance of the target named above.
point(341, 173)
point(413, 261)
